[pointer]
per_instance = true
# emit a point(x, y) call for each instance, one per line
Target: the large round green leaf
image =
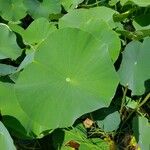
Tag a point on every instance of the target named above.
point(134, 70)
point(8, 45)
point(93, 23)
point(12, 10)
point(71, 75)
point(43, 9)
point(18, 121)
point(6, 142)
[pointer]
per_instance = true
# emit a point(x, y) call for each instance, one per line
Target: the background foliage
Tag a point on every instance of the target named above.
point(74, 74)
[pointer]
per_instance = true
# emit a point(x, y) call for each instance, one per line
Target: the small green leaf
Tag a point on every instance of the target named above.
point(113, 2)
point(14, 117)
point(134, 70)
point(142, 3)
point(78, 17)
point(71, 4)
point(6, 142)
point(141, 128)
point(12, 10)
point(77, 136)
point(140, 22)
point(91, 21)
point(8, 45)
point(27, 60)
point(39, 9)
point(111, 122)
point(137, 26)
point(6, 69)
point(40, 28)
point(131, 103)
point(15, 27)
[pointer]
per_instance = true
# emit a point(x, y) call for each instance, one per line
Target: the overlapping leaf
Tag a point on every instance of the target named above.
point(134, 70)
point(111, 122)
point(8, 49)
point(78, 135)
point(6, 142)
point(36, 32)
point(92, 21)
point(39, 9)
point(141, 129)
point(70, 4)
point(142, 3)
point(12, 10)
point(71, 70)
point(16, 119)
point(81, 16)
point(140, 22)
point(6, 69)
point(40, 28)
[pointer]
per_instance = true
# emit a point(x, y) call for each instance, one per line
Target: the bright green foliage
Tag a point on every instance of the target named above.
point(141, 23)
point(60, 63)
point(111, 122)
point(141, 129)
point(100, 30)
point(70, 4)
point(40, 28)
point(89, 21)
point(142, 3)
point(9, 106)
point(15, 27)
point(113, 2)
point(8, 49)
point(81, 16)
point(72, 75)
point(6, 69)
point(134, 70)
point(42, 9)
point(131, 103)
point(12, 10)
point(6, 142)
point(139, 27)
point(27, 60)
point(78, 135)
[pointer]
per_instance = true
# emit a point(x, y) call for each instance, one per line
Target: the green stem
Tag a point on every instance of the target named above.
point(144, 101)
point(87, 1)
point(137, 35)
point(90, 5)
point(123, 99)
point(137, 107)
point(123, 16)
